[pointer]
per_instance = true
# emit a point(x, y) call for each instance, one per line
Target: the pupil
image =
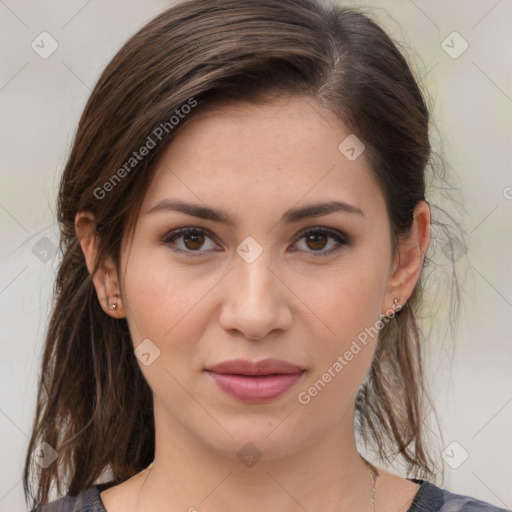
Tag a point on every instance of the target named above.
point(195, 238)
point(318, 238)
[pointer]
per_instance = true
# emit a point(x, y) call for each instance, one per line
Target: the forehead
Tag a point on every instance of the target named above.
point(280, 151)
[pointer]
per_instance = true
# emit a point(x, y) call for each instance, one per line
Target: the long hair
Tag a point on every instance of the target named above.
point(94, 407)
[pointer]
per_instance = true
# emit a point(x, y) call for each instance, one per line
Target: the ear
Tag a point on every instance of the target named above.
point(409, 262)
point(105, 278)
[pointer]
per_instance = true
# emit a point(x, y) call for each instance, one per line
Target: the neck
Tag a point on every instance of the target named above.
point(328, 474)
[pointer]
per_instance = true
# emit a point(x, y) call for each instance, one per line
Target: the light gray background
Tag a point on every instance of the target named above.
point(40, 104)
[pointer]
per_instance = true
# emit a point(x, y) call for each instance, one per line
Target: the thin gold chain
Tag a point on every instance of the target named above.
point(373, 475)
point(150, 467)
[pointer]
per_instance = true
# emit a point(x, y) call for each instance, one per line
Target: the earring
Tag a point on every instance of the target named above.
point(114, 305)
point(396, 304)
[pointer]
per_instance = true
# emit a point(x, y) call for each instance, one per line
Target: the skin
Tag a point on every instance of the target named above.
point(255, 162)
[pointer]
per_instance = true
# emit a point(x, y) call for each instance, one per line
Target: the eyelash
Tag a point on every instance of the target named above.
point(342, 240)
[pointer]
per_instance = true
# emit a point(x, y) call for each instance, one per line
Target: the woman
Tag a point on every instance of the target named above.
point(244, 227)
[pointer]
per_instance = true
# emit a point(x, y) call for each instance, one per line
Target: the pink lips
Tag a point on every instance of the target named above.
point(255, 381)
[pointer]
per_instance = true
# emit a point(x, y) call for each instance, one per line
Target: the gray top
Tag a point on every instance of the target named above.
point(429, 498)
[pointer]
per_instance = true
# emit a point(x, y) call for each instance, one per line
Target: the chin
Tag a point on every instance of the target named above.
point(254, 439)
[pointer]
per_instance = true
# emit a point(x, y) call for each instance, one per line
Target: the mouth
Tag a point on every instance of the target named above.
point(260, 381)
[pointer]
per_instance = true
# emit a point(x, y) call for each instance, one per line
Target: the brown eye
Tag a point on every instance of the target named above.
point(317, 241)
point(193, 240)
point(189, 241)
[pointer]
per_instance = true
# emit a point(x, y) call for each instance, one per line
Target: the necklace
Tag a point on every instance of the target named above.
point(150, 467)
point(373, 475)
point(371, 468)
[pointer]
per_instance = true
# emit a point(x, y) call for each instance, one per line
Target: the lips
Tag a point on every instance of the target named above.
point(247, 367)
point(259, 381)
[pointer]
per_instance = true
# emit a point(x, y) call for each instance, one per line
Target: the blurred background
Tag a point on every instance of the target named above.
point(52, 53)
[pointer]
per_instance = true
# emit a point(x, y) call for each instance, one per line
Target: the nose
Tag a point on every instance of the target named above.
point(256, 300)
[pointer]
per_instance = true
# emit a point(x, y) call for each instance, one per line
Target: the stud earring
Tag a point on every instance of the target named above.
point(396, 304)
point(114, 305)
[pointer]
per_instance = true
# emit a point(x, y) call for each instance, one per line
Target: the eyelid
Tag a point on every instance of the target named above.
point(334, 233)
point(174, 234)
point(341, 238)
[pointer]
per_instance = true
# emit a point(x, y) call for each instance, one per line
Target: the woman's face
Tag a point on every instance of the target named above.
point(258, 286)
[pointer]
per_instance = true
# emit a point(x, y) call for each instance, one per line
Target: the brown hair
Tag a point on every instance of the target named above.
point(94, 406)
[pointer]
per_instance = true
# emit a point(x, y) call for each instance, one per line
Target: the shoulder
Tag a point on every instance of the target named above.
point(86, 501)
point(431, 498)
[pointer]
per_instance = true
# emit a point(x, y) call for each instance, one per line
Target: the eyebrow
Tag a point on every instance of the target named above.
point(290, 216)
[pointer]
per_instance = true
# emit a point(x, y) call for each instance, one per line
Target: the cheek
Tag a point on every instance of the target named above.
point(163, 301)
point(349, 304)
point(162, 305)
point(342, 359)
point(349, 298)
point(168, 303)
